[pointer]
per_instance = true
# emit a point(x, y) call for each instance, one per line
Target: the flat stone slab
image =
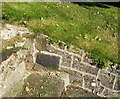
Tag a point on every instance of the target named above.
point(36, 85)
point(48, 59)
point(109, 93)
point(85, 68)
point(106, 79)
point(90, 69)
point(78, 81)
point(78, 66)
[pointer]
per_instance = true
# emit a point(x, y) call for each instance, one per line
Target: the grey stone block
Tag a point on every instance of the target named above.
point(106, 79)
point(85, 68)
point(48, 59)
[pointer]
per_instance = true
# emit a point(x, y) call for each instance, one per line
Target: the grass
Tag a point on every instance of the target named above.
point(74, 24)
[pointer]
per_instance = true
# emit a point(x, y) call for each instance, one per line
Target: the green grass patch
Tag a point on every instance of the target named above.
point(74, 24)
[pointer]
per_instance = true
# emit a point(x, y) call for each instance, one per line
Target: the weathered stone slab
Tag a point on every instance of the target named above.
point(109, 93)
point(78, 81)
point(71, 72)
point(99, 89)
point(75, 91)
point(117, 83)
point(85, 68)
point(48, 59)
point(89, 81)
point(78, 66)
point(66, 60)
point(76, 62)
point(36, 85)
point(106, 79)
point(90, 69)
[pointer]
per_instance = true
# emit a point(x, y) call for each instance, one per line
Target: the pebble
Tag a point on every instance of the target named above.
point(4, 87)
point(93, 84)
point(9, 47)
point(76, 59)
point(41, 18)
point(41, 87)
point(27, 89)
point(67, 6)
point(0, 86)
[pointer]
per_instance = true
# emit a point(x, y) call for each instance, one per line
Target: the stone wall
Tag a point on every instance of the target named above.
point(103, 82)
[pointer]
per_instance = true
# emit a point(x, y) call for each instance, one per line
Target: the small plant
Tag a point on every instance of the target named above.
point(2, 52)
point(100, 63)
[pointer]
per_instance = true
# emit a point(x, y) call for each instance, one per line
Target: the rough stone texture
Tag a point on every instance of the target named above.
point(90, 70)
point(65, 77)
point(16, 88)
point(73, 91)
point(48, 60)
point(78, 81)
point(109, 93)
point(106, 80)
point(8, 31)
point(13, 71)
point(7, 53)
point(49, 48)
point(41, 86)
point(76, 62)
point(88, 80)
point(78, 66)
point(99, 89)
point(85, 68)
point(117, 83)
point(79, 69)
point(88, 60)
point(59, 56)
point(12, 78)
point(40, 43)
point(66, 61)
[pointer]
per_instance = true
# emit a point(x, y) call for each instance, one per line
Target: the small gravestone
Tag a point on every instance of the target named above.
point(48, 59)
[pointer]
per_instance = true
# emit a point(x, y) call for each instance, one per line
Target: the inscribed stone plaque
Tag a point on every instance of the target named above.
point(48, 59)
